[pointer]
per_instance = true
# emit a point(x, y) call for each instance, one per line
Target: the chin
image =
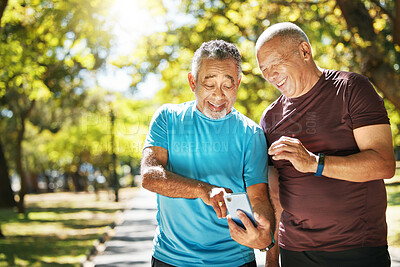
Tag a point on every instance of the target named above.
point(215, 115)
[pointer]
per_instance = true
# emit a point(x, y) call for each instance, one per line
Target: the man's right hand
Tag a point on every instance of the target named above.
point(214, 197)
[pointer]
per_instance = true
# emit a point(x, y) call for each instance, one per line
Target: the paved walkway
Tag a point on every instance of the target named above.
point(132, 242)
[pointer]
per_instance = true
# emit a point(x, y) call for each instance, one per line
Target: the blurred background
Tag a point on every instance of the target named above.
point(81, 79)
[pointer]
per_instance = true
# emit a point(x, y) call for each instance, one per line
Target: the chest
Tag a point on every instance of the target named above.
point(322, 124)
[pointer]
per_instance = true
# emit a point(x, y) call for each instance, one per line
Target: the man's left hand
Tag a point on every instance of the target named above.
point(254, 237)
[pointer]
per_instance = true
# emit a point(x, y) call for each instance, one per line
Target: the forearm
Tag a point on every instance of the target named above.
point(166, 183)
point(364, 166)
point(375, 160)
point(262, 206)
point(272, 259)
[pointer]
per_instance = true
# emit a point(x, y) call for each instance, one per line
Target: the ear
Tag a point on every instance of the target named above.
point(192, 81)
point(305, 50)
point(240, 79)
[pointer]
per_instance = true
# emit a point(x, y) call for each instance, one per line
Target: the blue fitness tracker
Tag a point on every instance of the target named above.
point(321, 162)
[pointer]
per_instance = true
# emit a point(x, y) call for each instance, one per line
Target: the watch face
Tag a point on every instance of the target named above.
point(269, 247)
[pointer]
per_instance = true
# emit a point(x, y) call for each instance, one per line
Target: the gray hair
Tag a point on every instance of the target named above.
point(290, 33)
point(216, 49)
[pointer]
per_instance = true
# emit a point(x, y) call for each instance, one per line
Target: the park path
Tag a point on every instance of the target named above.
point(131, 243)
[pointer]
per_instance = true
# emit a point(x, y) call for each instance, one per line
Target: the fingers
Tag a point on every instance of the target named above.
point(216, 209)
point(223, 209)
point(251, 236)
point(218, 203)
point(245, 220)
point(291, 149)
point(215, 198)
point(284, 143)
point(234, 229)
point(284, 155)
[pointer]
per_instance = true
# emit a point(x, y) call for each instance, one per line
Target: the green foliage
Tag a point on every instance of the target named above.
point(47, 50)
point(335, 45)
point(393, 213)
point(87, 137)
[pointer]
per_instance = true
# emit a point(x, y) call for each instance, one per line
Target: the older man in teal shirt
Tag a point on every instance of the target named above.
point(197, 151)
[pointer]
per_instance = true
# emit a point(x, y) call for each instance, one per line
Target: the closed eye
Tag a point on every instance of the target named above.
point(208, 86)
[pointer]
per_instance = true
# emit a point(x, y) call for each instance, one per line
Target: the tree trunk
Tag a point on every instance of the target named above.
point(3, 5)
point(396, 23)
point(20, 170)
point(6, 193)
point(1, 234)
point(373, 64)
point(18, 158)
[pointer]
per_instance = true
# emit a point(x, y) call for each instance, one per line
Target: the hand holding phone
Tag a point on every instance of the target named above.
point(239, 201)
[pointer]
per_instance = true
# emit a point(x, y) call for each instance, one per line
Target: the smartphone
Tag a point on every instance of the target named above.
point(239, 201)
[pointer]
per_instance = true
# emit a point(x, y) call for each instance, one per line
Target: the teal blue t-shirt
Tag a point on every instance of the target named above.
point(230, 152)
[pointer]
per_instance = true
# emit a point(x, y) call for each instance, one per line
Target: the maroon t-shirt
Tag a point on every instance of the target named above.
point(321, 213)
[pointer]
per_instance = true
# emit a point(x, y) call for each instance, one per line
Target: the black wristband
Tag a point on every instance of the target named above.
point(270, 245)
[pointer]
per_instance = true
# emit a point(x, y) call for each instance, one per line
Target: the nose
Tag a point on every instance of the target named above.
point(219, 93)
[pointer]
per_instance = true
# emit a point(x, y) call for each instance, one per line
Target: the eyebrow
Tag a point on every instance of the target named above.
point(226, 76)
point(230, 78)
point(209, 77)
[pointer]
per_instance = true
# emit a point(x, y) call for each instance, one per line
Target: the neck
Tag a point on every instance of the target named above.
point(312, 76)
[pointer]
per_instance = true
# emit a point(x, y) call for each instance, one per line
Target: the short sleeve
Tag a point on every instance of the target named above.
point(263, 126)
point(256, 162)
point(366, 107)
point(158, 131)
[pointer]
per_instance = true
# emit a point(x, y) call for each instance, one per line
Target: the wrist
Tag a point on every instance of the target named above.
point(314, 163)
point(271, 245)
point(203, 190)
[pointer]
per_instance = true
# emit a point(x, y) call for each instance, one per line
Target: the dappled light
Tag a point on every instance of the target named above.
point(59, 228)
point(81, 80)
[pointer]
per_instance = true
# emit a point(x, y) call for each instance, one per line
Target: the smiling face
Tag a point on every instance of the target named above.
point(216, 87)
point(287, 67)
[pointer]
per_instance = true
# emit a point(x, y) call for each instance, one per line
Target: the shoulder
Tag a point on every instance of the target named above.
point(247, 124)
point(338, 75)
point(274, 108)
point(277, 104)
point(175, 109)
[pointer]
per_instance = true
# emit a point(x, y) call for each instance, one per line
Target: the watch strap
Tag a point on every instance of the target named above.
point(321, 164)
point(270, 245)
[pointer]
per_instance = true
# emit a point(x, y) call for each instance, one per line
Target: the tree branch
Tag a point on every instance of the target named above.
point(356, 15)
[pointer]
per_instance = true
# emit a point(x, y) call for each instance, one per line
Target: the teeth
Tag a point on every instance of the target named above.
point(217, 106)
point(282, 82)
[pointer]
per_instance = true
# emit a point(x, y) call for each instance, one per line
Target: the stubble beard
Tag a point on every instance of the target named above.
point(215, 115)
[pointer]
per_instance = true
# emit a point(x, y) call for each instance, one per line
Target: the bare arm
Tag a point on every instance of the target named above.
point(260, 202)
point(376, 156)
point(157, 179)
point(272, 259)
point(375, 160)
point(255, 237)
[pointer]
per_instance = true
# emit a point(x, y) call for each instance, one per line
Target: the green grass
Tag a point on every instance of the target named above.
point(59, 229)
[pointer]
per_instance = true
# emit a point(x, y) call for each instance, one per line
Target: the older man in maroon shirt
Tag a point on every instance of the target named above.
point(331, 146)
